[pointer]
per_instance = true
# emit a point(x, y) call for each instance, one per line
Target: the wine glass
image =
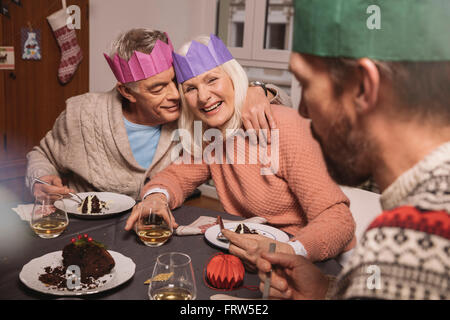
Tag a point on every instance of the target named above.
point(49, 217)
point(154, 226)
point(173, 278)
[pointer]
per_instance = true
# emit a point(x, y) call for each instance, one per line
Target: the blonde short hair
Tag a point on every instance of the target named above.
point(240, 84)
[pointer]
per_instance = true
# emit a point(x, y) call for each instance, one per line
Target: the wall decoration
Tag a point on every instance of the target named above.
point(31, 44)
point(4, 6)
point(7, 58)
point(71, 54)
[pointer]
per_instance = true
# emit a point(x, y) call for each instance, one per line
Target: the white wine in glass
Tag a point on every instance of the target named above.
point(173, 278)
point(172, 293)
point(154, 226)
point(49, 217)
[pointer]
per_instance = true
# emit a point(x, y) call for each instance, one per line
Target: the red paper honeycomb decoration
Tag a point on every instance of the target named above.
point(225, 271)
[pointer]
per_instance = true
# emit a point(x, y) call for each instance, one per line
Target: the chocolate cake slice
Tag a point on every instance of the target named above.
point(243, 229)
point(92, 204)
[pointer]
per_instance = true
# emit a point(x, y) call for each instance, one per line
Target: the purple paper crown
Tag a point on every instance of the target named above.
point(200, 58)
point(141, 65)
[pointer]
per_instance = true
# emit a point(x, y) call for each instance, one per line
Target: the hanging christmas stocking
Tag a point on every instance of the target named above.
point(71, 54)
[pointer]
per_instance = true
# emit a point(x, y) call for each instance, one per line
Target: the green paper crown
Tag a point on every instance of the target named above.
point(390, 30)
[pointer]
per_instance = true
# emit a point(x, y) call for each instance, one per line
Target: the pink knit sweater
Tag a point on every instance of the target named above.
point(300, 198)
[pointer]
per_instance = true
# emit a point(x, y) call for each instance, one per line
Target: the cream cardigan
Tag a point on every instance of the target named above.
point(88, 146)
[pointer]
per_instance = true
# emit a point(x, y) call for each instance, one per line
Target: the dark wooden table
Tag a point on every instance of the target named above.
point(18, 245)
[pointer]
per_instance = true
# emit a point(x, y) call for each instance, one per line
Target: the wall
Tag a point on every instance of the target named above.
point(181, 19)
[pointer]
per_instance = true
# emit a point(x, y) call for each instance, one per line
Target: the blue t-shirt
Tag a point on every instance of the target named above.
point(143, 141)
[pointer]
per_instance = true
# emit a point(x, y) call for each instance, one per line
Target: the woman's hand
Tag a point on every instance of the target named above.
point(159, 205)
point(57, 187)
point(257, 112)
point(248, 247)
point(292, 277)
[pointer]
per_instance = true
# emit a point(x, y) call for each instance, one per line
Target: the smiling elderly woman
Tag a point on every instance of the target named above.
point(299, 197)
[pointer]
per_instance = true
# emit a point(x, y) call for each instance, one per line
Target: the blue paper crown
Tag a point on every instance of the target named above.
point(200, 58)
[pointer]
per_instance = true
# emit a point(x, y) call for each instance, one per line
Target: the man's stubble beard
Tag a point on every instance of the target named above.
point(346, 152)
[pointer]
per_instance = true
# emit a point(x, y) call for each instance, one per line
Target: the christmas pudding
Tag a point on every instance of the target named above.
point(92, 204)
point(90, 256)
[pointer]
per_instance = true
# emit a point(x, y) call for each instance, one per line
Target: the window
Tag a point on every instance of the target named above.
point(257, 30)
point(275, 36)
point(259, 35)
point(278, 25)
point(234, 27)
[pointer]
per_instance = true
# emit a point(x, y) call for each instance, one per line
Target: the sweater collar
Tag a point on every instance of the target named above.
point(119, 132)
point(405, 186)
point(118, 129)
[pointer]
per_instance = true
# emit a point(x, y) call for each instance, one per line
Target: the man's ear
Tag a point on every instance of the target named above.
point(369, 85)
point(126, 92)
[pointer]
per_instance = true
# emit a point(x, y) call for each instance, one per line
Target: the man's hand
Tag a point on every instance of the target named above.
point(57, 187)
point(257, 112)
point(248, 247)
point(293, 277)
point(158, 203)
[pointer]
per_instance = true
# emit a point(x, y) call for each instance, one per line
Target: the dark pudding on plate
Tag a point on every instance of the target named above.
point(87, 254)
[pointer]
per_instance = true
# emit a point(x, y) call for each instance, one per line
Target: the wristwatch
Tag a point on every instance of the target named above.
point(259, 84)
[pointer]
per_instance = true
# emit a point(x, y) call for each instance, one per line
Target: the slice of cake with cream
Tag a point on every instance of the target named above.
point(91, 205)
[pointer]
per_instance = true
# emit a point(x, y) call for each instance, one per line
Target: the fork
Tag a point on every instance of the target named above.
point(72, 194)
point(220, 236)
point(272, 247)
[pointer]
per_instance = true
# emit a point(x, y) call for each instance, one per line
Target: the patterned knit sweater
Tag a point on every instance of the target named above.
point(300, 198)
point(405, 252)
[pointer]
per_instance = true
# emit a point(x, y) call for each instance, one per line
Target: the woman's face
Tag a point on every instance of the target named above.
point(210, 97)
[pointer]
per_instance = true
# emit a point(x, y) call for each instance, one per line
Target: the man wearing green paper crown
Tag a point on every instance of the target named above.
point(375, 79)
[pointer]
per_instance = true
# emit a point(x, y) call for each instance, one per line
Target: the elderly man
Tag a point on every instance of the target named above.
point(381, 111)
point(111, 141)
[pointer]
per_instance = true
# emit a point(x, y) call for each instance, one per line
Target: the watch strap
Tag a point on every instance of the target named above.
point(259, 84)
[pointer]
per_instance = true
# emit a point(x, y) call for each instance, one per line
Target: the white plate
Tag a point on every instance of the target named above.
point(116, 203)
point(121, 273)
point(264, 230)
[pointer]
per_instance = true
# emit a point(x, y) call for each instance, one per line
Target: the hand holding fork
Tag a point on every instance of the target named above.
point(52, 184)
